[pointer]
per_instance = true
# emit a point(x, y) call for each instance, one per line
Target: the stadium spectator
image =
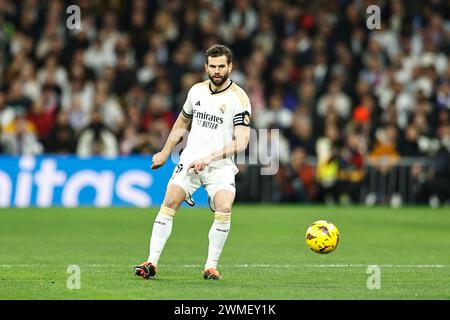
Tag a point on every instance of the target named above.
point(147, 73)
point(62, 137)
point(409, 142)
point(31, 87)
point(7, 113)
point(276, 115)
point(97, 139)
point(327, 172)
point(17, 99)
point(297, 179)
point(241, 25)
point(131, 142)
point(42, 119)
point(351, 168)
point(157, 111)
point(97, 58)
point(78, 118)
point(112, 114)
point(307, 96)
point(19, 137)
point(52, 72)
point(334, 100)
point(312, 69)
point(434, 189)
point(301, 134)
point(80, 89)
point(383, 159)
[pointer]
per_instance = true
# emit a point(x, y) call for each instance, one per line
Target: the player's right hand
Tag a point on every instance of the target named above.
point(159, 159)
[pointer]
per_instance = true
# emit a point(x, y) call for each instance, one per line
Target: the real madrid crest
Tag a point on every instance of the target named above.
point(246, 119)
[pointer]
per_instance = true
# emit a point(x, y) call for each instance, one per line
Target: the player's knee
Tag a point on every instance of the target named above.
point(171, 203)
point(225, 208)
point(174, 197)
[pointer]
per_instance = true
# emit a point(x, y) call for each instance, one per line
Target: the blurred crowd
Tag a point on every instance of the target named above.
point(338, 92)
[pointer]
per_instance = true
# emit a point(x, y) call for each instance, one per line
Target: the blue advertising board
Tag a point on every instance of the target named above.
point(70, 181)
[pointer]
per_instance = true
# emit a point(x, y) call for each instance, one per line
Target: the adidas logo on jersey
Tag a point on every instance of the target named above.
point(197, 103)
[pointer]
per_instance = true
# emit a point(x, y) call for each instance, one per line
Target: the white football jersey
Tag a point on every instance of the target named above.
point(214, 115)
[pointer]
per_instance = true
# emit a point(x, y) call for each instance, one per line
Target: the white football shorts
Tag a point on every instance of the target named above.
point(212, 178)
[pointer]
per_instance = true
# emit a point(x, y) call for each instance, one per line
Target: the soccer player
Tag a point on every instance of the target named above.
point(218, 111)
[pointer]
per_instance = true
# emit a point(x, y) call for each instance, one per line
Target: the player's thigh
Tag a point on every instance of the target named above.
point(175, 195)
point(220, 185)
point(223, 200)
point(181, 186)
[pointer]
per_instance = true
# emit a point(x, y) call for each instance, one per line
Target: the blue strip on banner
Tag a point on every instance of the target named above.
point(69, 181)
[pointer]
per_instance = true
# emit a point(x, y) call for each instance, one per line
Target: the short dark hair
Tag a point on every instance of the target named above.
point(218, 50)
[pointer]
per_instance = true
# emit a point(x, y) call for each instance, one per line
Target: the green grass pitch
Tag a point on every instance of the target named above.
point(265, 256)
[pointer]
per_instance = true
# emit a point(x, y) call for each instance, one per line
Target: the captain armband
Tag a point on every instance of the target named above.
point(242, 119)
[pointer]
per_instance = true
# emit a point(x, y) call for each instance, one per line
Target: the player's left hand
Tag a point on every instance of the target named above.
point(199, 165)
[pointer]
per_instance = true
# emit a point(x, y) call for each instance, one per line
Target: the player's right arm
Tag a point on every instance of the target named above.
point(176, 135)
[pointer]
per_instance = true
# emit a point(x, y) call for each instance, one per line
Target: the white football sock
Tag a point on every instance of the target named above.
point(162, 227)
point(217, 236)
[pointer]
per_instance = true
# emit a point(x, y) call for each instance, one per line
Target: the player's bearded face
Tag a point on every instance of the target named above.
point(218, 79)
point(218, 70)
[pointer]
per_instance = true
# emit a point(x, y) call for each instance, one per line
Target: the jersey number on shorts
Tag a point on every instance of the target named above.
point(177, 169)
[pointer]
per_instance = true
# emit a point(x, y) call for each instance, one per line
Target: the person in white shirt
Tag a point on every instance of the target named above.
point(218, 112)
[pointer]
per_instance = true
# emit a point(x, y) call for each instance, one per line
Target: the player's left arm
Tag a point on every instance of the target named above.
point(238, 144)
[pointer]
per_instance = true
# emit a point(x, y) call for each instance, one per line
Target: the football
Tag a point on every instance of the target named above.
point(322, 236)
